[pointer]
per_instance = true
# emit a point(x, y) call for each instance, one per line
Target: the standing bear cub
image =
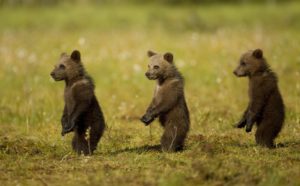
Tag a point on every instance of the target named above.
point(266, 107)
point(82, 112)
point(168, 102)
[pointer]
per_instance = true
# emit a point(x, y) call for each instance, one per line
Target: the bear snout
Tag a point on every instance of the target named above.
point(238, 73)
point(55, 77)
point(235, 73)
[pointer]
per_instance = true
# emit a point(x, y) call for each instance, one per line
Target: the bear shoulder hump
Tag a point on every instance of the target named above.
point(82, 89)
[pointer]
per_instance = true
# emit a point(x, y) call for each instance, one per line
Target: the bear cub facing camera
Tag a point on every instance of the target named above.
point(266, 107)
point(168, 103)
point(82, 112)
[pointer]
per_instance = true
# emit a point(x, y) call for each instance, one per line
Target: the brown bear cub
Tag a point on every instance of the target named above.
point(266, 107)
point(168, 102)
point(82, 112)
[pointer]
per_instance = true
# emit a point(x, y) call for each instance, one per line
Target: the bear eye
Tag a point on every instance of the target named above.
point(156, 67)
point(61, 66)
point(243, 63)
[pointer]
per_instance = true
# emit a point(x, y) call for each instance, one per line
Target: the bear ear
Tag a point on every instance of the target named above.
point(76, 55)
point(63, 54)
point(150, 53)
point(258, 53)
point(168, 57)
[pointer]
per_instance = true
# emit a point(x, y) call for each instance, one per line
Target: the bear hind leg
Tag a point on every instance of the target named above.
point(96, 132)
point(172, 140)
point(265, 135)
point(80, 144)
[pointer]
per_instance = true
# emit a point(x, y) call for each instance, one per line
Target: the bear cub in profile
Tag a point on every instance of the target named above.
point(82, 112)
point(266, 107)
point(168, 103)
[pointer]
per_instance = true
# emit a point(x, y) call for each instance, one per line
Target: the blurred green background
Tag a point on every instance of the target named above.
point(206, 38)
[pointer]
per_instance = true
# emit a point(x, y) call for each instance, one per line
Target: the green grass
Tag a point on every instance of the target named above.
point(206, 41)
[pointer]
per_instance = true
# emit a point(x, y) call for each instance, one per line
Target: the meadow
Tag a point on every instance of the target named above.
point(206, 41)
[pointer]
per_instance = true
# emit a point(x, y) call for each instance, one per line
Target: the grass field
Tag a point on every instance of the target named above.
point(206, 41)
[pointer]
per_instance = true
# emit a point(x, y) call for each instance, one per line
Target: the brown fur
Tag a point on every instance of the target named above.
point(168, 102)
point(81, 111)
point(266, 107)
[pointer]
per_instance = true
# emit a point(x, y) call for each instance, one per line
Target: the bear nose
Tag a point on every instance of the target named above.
point(147, 74)
point(234, 72)
point(52, 74)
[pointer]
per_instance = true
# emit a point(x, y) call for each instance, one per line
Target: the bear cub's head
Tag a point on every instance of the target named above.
point(159, 65)
point(251, 63)
point(67, 67)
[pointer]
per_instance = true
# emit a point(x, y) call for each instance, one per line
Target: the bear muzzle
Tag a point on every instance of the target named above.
point(150, 76)
point(238, 74)
point(53, 75)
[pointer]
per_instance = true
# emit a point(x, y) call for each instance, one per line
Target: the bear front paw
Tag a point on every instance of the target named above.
point(67, 128)
point(239, 125)
point(248, 129)
point(66, 131)
point(146, 119)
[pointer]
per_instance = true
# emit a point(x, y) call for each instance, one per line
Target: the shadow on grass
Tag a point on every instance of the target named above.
point(288, 144)
point(139, 150)
point(215, 141)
